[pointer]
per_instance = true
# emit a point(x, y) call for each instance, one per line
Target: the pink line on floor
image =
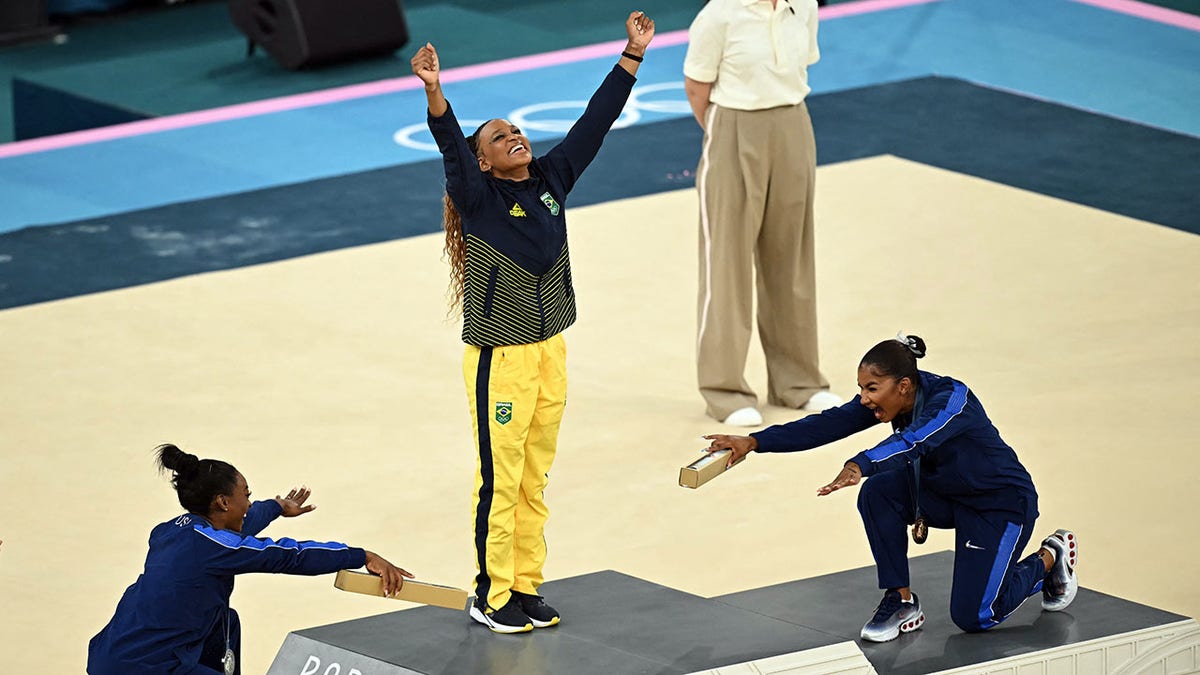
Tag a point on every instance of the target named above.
point(866, 7)
point(325, 96)
point(336, 94)
point(1150, 12)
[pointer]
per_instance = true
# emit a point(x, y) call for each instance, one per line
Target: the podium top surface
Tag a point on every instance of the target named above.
point(612, 623)
point(615, 623)
point(839, 604)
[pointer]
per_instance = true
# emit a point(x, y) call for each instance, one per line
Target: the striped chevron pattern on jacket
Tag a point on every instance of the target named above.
point(505, 304)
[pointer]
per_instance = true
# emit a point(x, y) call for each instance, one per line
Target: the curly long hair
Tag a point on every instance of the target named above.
point(454, 252)
point(455, 249)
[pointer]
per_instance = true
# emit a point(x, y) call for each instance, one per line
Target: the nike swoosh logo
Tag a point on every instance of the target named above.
point(977, 548)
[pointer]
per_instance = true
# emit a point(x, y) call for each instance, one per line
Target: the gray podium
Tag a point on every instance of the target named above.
point(615, 623)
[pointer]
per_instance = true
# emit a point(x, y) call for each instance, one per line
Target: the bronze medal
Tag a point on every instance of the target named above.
point(920, 531)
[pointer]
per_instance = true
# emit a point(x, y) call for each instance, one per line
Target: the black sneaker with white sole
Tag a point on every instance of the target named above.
point(534, 607)
point(507, 619)
point(892, 617)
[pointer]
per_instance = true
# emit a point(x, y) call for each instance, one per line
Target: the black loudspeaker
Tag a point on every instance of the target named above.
point(22, 20)
point(307, 33)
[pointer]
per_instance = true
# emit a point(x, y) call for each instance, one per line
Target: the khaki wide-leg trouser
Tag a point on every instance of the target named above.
point(756, 182)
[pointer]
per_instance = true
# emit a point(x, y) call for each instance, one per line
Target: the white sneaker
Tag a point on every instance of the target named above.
point(744, 417)
point(1061, 582)
point(823, 400)
point(892, 617)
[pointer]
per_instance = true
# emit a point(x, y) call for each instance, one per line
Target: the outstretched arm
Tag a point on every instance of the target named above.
point(229, 552)
point(425, 66)
point(813, 431)
point(802, 434)
point(565, 162)
point(464, 180)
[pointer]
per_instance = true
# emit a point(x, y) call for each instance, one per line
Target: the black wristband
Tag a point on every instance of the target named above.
point(632, 57)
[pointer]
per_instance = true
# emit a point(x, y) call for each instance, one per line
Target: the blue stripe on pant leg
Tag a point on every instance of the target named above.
point(1004, 555)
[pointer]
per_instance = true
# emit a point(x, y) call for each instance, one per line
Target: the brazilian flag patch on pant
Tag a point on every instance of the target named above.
point(504, 412)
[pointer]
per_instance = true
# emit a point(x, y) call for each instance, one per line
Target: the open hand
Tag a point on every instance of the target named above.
point(850, 475)
point(293, 503)
point(425, 64)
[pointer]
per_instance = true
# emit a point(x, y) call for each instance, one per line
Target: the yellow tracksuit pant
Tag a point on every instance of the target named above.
point(516, 395)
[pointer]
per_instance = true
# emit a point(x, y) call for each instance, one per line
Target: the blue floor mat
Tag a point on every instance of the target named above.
point(1117, 166)
point(1058, 50)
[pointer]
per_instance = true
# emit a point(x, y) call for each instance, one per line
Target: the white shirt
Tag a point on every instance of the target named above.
point(756, 56)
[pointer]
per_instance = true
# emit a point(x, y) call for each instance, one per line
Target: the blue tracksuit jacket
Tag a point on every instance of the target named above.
point(183, 594)
point(969, 480)
point(962, 455)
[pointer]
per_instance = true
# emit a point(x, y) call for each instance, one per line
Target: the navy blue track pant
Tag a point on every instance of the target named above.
point(989, 580)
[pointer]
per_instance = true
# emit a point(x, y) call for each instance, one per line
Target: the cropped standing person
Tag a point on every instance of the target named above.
point(506, 238)
point(746, 78)
point(176, 617)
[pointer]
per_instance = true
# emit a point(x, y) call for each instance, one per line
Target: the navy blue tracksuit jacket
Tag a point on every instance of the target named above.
point(181, 599)
point(518, 286)
point(946, 459)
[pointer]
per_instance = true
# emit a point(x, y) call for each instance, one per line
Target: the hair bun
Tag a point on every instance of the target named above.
point(172, 458)
point(914, 343)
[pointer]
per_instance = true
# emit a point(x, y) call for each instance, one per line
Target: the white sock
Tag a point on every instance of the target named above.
point(1053, 554)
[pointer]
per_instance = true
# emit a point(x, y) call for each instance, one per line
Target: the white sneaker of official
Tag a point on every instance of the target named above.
point(744, 417)
point(823, 400)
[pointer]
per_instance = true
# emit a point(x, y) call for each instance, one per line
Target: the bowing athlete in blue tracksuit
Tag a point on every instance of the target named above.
point(946, 465)
point(176, 617)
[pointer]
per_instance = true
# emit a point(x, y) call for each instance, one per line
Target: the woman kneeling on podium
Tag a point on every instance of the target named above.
point(943, 466)
point(176, 617)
